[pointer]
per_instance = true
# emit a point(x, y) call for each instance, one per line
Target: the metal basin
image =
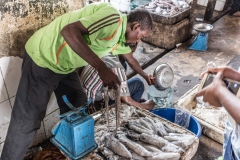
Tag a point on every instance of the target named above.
point(164, 76)
point(203, 27)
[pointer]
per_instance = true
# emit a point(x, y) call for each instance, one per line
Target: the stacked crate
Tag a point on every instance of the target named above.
point(171, 30)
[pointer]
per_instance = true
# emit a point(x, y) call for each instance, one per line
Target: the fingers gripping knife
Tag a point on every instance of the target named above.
point(74, 134)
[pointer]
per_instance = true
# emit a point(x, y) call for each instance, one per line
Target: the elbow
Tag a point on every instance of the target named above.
point(65, 30)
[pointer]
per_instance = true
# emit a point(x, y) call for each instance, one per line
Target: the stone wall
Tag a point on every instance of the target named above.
point(20, 19)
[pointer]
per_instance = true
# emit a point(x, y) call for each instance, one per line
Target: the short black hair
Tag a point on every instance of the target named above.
point(142, 16)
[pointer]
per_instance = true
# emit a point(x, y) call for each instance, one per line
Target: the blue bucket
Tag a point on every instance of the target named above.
point(169, 114)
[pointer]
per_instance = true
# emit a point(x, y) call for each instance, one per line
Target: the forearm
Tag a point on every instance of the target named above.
point(137, 68)
point(231, 74)
point(73, 36)
point(228, 72)
point(133, 63)
point(231, 103)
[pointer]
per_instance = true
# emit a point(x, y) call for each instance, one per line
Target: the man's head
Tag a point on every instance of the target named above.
point(139, 25)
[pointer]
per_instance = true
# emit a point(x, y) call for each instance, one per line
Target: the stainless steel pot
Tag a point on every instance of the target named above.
point(164, 76)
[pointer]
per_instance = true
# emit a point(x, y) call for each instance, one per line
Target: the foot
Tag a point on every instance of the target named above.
point(236, 14)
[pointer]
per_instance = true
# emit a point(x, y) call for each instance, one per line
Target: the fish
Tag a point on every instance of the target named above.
point(169, 147)
point(150, 147)
point(135, 156)
point(169, 128)
point(139, 129)
point(133, 135)
point(134, 146)
point(160, 128)
point(117, 147)
point(153, 139)
point(140, 136)
point(145, 123)
point(107, 152)
point(180, 140)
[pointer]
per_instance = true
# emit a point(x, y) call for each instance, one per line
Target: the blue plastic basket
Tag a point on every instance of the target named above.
point(169, 114)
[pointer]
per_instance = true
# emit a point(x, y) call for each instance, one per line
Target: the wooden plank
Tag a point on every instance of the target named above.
point(227, 5)
point(214, 19)
point(209, 10)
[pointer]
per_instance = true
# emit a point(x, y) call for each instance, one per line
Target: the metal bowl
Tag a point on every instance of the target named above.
point(203, 27)
point(164, 76)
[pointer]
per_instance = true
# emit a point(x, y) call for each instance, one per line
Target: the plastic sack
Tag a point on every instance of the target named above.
point(182, 117)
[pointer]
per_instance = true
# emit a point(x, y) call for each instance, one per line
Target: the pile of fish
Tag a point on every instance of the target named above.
point(139, 136)
point(167, 7)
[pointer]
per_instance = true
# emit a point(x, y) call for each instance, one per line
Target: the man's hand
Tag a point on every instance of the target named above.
point(211, 93)
point(217, 93)
point(133, 63)
point(109, 78)
point(150, 79)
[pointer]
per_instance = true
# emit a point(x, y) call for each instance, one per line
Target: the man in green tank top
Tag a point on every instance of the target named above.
point(54, 52)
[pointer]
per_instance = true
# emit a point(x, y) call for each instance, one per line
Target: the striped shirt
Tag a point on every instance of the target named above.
point(106, 26)
point(92, 83)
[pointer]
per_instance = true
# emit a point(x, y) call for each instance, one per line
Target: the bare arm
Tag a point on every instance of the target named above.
point(231, 104)
point(73, 34)
point(133, 63)
point(218, 95)
point(146, 105)
point(228, 72)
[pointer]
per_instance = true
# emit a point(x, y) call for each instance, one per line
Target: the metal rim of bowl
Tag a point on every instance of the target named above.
point(206, 25)
point(158, 71)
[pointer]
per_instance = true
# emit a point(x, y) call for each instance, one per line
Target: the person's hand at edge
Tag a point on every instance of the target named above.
point(211, 93)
